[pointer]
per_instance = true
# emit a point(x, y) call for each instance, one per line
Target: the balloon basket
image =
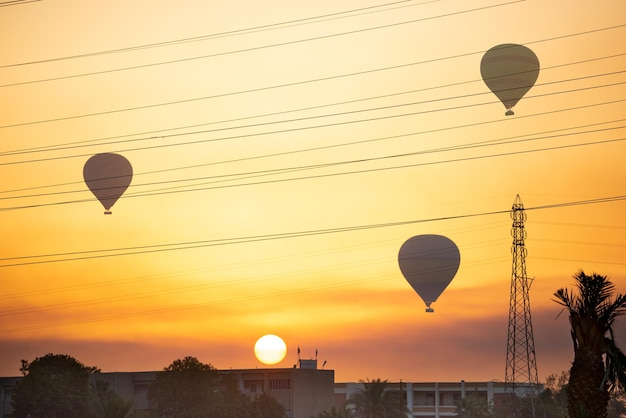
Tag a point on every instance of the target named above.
point(509, 113)
point(108, 212)
point(430, 310)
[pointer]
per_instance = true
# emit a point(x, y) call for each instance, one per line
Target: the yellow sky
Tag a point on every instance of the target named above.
point(251, 126)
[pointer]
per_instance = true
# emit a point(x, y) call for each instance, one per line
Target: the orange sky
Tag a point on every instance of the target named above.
point(248, 119)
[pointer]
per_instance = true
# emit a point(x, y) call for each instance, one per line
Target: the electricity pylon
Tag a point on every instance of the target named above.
point(520, 378)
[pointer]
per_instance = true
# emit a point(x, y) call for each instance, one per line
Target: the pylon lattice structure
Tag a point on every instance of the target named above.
point(520, 378)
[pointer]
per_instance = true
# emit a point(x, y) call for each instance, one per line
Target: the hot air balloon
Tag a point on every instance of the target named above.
point(509, 70)
point(429, 263)
point(107, 175)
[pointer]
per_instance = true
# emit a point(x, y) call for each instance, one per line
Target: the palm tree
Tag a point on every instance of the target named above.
point(343, 412)
point(599, 365)
point(374, 400)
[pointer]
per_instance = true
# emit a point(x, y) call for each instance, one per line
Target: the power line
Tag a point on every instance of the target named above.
point(284, 170)
point(178, 289)
point(311, 177)
point(306, 40)
point(91, 143)
point(501, 141)
point(317, 38)
point(224, 283)
point(317, 126)
point(204, 271)
point(569, 260)
point(362, 171)
point(255, 90)
point(308, 289)
point(98, 142)
point(253, 29)
point(16, 3)
point(153, 248)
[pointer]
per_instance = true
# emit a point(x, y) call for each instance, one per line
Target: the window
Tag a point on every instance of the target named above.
point(253, 385)
point(280, 384)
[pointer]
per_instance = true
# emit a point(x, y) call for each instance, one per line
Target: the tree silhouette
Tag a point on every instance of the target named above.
point(375, 400)
point(598, 366)
point(334, 412)
point(264, 406)
point(185, 388)
point(55, 385)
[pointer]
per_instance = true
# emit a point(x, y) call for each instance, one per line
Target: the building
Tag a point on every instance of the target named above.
point(304, 392)
point(434, 399)
point(7, 384)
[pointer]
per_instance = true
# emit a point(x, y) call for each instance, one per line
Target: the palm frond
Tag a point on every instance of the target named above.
point(613, 309)
point(615, 364)
point(564, 298)
point(594, 291)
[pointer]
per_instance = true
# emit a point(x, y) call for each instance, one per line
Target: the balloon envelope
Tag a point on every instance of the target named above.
point(429, 263)
point(509, 70)
point(108, 176)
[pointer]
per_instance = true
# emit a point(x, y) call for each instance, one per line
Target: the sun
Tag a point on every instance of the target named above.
point(270, 349)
